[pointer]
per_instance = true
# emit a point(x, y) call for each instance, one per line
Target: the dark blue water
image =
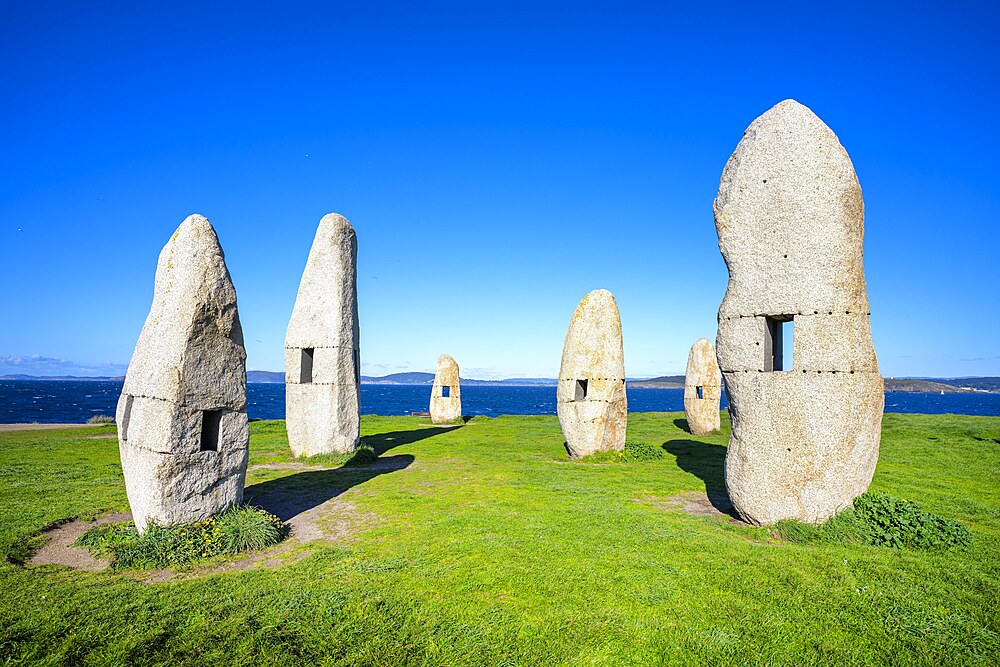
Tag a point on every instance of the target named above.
point(68, 402)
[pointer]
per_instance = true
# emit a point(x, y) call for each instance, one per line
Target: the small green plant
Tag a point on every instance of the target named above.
point(249, 530)
point(101, 419)
point(882, 520)
point(634, 452)
point(363, 455)
point(902, 524)
point(240, 528)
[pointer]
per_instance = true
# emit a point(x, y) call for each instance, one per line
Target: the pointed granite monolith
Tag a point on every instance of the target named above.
point(590, 399)
point(446, 394)
point(702, 389)
point(790, 220)
point(182, 420)
point(322, 347)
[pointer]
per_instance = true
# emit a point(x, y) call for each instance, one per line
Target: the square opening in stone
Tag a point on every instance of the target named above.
point(210, 422)
point(357, 367)
point(779, 333)
point(581, 390)
point(701, 391)
point(445, 391)
point(306, 365)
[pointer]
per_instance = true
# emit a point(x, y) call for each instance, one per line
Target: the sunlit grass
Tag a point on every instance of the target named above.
point(484, 544)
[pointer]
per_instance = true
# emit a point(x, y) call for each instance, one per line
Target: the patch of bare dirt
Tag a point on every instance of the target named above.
point(271, 559)
point(698, 504)
point(60, 549)
point(320, 510)
point(572, 462)
point(334, 519)
point(102, 436)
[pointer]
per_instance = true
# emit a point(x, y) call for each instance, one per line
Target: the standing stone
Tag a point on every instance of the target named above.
point(446, 395)
point(590, 399)
point(790, 220)
point(702, 389)
point(322, 347)
point(182, 420)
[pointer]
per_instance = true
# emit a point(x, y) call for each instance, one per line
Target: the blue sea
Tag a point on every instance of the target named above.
point(67, 402)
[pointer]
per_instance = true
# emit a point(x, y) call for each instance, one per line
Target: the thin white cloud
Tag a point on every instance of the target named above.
point(36, 364)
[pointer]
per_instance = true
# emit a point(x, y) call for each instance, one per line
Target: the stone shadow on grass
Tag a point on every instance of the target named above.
point(383, 442)
point(682, 424)
point(289, 496)
point(707, 462)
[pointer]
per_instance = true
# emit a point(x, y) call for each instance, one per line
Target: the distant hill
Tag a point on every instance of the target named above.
point(399, 378)
point(662, 382)
point(547, 382)
point(923, 386)
point(265, 377)
point(513, 382)
point(428, 378)
point(981, 384)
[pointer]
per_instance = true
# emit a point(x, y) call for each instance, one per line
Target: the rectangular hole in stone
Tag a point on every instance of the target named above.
point(787, 339)
point(779, 333)
point(127, 416)
point(306, 365)
point(445, 391)
point(581, 390)
point(210, 421)
point(701, 391)
point(357, 366)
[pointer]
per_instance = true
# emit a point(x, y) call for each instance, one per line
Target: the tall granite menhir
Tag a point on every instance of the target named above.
point(446, 394)
point(322, 351)
point(702, 389)
point(590, 398)
point(790, 220)
point(182, 420)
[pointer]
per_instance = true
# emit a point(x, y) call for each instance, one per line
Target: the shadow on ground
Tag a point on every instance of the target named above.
point(707, 462)
point(383, 442)
point(682, 424)
point(289, 496)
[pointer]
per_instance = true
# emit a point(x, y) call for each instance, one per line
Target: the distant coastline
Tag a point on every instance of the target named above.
point(966, 385)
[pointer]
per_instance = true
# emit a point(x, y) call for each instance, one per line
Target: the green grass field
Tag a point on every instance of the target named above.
point(484, 545)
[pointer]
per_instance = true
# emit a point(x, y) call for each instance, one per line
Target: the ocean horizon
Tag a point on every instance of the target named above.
point(74, 402)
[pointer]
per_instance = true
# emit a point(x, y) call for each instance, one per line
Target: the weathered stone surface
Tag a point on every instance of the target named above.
point(590, 399)
point(445, 409)
point(322, 347)
point(790, 220)
point(702, 388)
point(182, 421)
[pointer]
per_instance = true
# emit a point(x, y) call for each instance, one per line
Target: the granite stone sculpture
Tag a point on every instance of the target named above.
point(590, 399)
point(182, 420)
point(790, 220)
point(322, 347)
point(702, 389)
point(446, 394)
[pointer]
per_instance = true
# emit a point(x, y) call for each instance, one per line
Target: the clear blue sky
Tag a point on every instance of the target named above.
point(498, 161)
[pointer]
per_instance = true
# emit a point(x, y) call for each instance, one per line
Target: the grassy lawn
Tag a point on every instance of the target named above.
point(484, 545)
